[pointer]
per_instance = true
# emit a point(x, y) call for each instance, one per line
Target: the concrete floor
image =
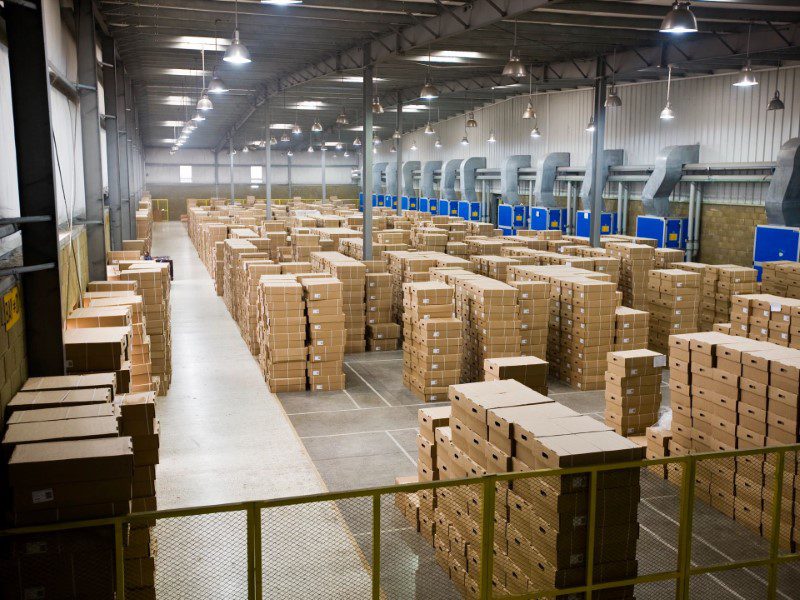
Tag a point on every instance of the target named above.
point(226, 438)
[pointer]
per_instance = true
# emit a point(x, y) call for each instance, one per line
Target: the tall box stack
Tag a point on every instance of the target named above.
point(282, 333)
point(378, 296)
point(352, 273)
point(303, 244)
point(250, 312)
point(144, 225)
point(432, 340)
point(637, 260)
point(533, 299)
point(632, 328)
point(231, 249)
point(720, 284)
point(100, 349)
point(326, 333)
point(586, 327)
point(138, 421)
point(674, 297)
point(633, 390)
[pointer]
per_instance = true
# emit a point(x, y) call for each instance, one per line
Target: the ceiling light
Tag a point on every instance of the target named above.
point(471, 122)
point(746, 77)
point(297, 130)
point(666, 113)
point(396, 135)
point(612, 98)
point(376, 141)
point(357, 142)
point(342, 119)
point(237, 53)
point(205, 103)
point(317, 126)
point(285, 138)
point(281, 2)
point(492, 139)
point(414, 146)
point(529, 113)
point(190, 126)
point(590, 127)
point(465, 140)
point(289, 153)
point(253, 186)
point(339, 145)
point(437, 143)
point(198, 118)
point(245, 149)
point(377, 107)
point(514, 66)
point(374, 150)
point(776, 103)
point(346, 154)
point(429, 91)
point(217, 86)
point(393, 150)
point(311, 149)
point(273, 141)
point(535, 133)
point(429, 130)
point(679, 19)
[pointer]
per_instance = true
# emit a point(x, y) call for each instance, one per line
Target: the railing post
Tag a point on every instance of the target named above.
point(119, 560)
point(774, 541)
point(253, 551)
point(376, 544)
point(685, 528)
point(487, 536)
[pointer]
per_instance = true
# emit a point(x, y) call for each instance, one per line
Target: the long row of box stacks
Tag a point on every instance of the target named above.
point(540, 533)
point(75, 449)
point(730, 393)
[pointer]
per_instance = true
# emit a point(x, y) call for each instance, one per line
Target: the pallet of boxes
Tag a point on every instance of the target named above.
point(633, 390)
point(282, 333)
point(76, 450)
point(326, 333)
point(382, 332)
point(540, 533)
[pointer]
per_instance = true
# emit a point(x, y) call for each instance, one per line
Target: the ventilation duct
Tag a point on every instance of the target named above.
point(783, 195)
point(665, 176)
point(610, 158)
point(408, 177)
point(469, 177)
point(448, 181)
point(546, 173)
point(509, 177)
point(378, 169)
point(391, 178)
point(426, 186)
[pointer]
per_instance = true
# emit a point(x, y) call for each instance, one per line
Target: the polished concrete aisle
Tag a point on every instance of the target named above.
point(224, 436)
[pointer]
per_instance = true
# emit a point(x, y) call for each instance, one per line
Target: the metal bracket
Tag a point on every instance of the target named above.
point(26, 269)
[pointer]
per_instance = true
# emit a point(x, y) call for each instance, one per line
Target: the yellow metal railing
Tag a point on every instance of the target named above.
point(681, 575)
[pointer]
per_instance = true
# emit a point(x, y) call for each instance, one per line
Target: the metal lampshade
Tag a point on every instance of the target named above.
point(535, 133)
point(667, 114)
point(237, 53)
point(205, 102)
point(679, 19)
point(377, 107)
point(429, 130)
point(514, 67)
point(357, 142)
point(530, 112)
point(217, 86)
point(746, 77)
point(429, 91)
point(317, 126)
point(776, 103)
point(612, 98)
point(471, 122)
point(342, 119)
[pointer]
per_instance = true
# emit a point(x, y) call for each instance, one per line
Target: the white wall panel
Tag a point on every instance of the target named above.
point(9, 192)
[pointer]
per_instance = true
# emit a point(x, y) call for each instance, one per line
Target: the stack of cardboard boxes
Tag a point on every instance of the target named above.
point(728, 393)
point(352, 274)
point(668, 257)
point(674, 297)
point(632, 328)
point(432, 340)
point(533, 299)
point(100, 349)
point(282, 333)
point(250, 313)
point(781, 278)
point(540, 531)
point(326, 333)
point(633, 390)
point(527, 370)
point(637, 260)
point(720, 284)
point(767, 318)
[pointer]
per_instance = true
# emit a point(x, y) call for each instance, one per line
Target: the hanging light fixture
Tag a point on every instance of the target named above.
point(465, 140)
point(776, 103)
point(285, 137)
point(357, 142)
point(377, 107)
point(317, 126)
point(679, 19)
point(514, 66)
point(245, 149)
point(376, 141)
point(746, 76)
point(667, 114)
point(289, 153)
point(429, 91)
point(342, 119)
point(414, 146)
point(237, 53)
point(216, 85)
point(273, 141)
point(197, 118)
point(535, 133)
point(590, 127)
point(492, 139)
point(437, 143)
point(529, 112)
point(471, 122)
point(392, 149)
point(396, 135)
point(429, 130)
point(204, 103)
point(296, 130)
point(612, 97)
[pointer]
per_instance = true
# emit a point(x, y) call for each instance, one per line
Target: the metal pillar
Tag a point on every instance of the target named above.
point(216, 174)
point(324, 185)
point(366, 164)
point(268, 164)
point(598, 140)
point(399, 148)
point(133, 191)
point(30, 98)
point(112, 140)
point(90, 136)
point(128, 230)
point(289, 175)
point(230, 154)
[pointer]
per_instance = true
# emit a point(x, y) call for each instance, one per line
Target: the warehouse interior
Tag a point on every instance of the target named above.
point(400, 299)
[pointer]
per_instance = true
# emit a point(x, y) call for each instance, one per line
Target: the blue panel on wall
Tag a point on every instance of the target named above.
point(773, 242)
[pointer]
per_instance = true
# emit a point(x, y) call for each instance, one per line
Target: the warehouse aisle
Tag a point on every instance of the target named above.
point(224, 436)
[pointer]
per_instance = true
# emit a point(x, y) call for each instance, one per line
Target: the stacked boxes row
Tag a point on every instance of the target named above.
point(540, 531)
point(254, 270)
point(632, 328)
point(674, 297)
point(326, 333)
point(731, 393)
point(637, 260)
point(720, 284)
point(382, 332)
point(781, 278)
point(530, 371)
point(282, 333)
point(432, 340)
point(352, 274)
point(767, 318)
point(633, 390)
point(533, 299)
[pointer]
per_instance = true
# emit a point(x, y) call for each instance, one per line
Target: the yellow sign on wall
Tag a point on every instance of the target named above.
point(12, 309)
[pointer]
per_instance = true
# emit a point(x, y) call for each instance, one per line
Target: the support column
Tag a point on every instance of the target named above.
point(399, 148)
point(230, 155)
point(216, 173)
point(90, 136)
point(112, 140)
point(133, 191)
point(366, 164)
point(289, 176)
point(324, 185)
point(598, 142)
point(30, 99)
point(268, 164)
point(128, 228)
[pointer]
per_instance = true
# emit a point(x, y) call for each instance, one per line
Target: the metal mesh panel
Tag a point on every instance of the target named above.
point(317, 550)
point(736, 584)
point(200, 556)
point(69, 564)
point(657, 590)
point(659, 518)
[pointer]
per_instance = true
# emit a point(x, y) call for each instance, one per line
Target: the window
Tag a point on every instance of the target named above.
point(186, 173)
point(256, 174)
